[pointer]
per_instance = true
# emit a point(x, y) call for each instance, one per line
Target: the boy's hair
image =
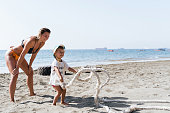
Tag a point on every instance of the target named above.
point(58, 47)
point(61, 47)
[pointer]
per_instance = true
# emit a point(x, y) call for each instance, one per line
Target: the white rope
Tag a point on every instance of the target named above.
point(136, 107)
point(92, 72)
point(99, 87)
point(86, 79)
point(136, 101)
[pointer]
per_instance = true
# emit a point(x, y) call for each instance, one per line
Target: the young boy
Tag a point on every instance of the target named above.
point(58, 69)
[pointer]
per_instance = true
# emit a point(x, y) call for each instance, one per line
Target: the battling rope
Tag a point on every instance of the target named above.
point(92, 72)
point(99, 86)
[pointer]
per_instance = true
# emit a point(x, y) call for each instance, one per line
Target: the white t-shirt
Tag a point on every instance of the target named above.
point(54, 77)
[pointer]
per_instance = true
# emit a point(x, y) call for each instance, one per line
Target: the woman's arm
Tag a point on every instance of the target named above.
point(25, 50)
point(59, 74)
point(22, 55)
point(34, 55)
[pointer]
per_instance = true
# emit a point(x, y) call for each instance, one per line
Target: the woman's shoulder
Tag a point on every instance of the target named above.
point(31, 39)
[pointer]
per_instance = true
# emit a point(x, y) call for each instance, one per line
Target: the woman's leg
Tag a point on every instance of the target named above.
point(11, 63)
point(59, 90)
point(24, 67)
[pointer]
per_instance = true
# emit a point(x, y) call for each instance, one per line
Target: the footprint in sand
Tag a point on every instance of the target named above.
point(155, 94)
point(41, 82)
point(122, 92)
point(108, 90)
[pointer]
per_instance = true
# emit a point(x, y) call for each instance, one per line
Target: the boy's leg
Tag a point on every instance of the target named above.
point(59, 90)
point(63, 97)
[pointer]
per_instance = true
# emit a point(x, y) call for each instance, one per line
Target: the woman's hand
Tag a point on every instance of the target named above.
point(15, 71)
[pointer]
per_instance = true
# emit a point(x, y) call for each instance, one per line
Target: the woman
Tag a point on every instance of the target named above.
point(15, 59)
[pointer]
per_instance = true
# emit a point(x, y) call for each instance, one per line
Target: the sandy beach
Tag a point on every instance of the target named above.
point(129, 81)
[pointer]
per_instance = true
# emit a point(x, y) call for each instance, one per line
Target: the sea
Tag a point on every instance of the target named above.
point(92, 57)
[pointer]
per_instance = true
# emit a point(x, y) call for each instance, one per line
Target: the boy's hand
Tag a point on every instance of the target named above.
point(79, 74)
point(61, 80)
point(63, 85)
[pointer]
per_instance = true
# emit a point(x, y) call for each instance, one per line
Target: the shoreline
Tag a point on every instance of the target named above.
point(105, 63)
point(75, 59)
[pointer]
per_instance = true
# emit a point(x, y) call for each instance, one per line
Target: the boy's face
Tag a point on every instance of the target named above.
point(59, 53)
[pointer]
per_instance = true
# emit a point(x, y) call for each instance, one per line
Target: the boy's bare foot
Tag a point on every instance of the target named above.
point(54, 104)
point(64, 103)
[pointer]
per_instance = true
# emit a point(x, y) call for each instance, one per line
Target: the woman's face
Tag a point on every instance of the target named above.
point(44, 37)
point(59, 53)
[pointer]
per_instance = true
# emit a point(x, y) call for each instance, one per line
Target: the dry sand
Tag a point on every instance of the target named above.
point(137, 80)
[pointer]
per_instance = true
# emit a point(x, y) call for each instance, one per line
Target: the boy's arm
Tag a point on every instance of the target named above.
point(72, 70)
point(59, 74)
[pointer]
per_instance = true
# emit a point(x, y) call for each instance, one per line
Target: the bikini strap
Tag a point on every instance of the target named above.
point(22, 43)
point(33, 52)
point(34, 44)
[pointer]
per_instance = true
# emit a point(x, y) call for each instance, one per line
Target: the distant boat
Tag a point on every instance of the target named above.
point(161, 49)
point(110, 50)
point(141, 50)
point(101, 48)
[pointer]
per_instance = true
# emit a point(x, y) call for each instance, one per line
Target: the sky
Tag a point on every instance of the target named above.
point(87, 24)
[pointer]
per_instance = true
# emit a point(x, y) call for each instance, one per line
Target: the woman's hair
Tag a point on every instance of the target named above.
point(42, 31)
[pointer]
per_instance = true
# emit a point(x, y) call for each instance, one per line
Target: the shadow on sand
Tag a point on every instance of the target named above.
point(79, 102)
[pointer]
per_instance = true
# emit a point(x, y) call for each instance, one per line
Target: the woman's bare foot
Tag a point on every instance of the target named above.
point(12, 100)
point(64, 103)
point(32, 94)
